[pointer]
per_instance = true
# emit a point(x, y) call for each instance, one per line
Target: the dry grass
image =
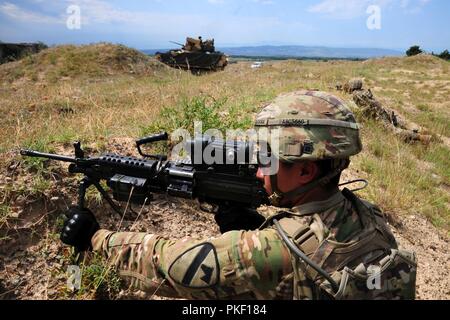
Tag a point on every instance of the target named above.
point(100, 99)
point(90, 61)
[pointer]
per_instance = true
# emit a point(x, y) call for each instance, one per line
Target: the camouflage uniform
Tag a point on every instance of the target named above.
point(372, 108)
point(351, 86)
point(345, 236)
point(249, 264)
point(257, 264)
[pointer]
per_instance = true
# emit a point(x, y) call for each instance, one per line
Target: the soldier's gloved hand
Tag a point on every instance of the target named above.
point(237, 217)
point(79, 228)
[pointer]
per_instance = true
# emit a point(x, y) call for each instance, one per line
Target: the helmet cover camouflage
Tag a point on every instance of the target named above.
point(311, 125)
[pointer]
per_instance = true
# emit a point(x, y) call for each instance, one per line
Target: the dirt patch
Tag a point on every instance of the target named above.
point(445, 84)
point(33, 261)
point(404, 71)
point(445, 140)
point(431, 247)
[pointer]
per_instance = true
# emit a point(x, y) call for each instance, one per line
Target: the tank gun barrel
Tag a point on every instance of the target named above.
point(177, 43)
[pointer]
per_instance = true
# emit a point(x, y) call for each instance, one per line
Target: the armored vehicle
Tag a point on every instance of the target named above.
point(196, 55)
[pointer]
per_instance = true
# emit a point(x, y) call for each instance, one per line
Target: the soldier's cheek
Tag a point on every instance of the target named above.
point(265, 179)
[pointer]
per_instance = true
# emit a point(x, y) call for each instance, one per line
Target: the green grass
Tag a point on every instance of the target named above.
point(208, 111)
point(398, 183)
point(120, 104)
point(5, 211)
point(99, 279)
point(39, 185)
point(37, 165)
point(439, 156)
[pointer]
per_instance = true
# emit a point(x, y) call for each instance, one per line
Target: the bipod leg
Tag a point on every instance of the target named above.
point(107, 197)
point(84, 185)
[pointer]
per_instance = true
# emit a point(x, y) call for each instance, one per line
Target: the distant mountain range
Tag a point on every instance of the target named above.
point(301, 52)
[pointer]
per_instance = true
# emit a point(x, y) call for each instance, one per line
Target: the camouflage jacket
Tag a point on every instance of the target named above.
point(258, 264)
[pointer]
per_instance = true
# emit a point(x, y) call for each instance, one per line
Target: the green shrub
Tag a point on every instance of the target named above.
point(209, 111)
point(413, 51)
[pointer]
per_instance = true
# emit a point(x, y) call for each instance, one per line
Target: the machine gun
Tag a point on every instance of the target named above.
point(136, 179)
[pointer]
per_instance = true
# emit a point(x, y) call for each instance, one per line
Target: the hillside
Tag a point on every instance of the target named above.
point(411, 182)
point(66, 62)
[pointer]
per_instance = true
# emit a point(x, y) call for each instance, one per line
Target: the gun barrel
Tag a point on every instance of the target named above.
point(174, 42)
point(37, 154)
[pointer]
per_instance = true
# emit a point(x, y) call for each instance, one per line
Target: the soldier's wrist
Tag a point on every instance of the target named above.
point(100, 239)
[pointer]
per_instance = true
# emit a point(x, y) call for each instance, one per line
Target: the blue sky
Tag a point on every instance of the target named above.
point(146, 24)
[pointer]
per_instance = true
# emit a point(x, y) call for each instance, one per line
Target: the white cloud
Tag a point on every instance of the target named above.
point(344, 9)
point(264, 2)
point(347, 9)
point(415, 6)
point(216, 1)
point(13, 11)
point(404, 3)
point(106, 21)
point(97, 11)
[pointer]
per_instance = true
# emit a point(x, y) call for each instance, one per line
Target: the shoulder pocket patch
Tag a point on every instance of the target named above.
point(198, 267)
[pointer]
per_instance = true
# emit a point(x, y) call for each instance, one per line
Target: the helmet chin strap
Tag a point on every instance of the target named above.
point(278, 196)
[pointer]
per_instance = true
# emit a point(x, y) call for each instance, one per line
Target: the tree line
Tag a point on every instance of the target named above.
point(415, 50)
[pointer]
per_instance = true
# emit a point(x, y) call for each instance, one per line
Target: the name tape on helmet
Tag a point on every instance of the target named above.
point(305, 123)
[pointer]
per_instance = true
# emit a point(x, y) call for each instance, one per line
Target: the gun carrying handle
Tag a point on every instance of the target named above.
point(154, 138)
point(150, 139)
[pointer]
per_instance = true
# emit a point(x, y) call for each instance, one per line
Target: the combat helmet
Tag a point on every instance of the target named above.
point(310, 126)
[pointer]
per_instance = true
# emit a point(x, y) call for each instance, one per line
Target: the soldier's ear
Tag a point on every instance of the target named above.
point(308, 172)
